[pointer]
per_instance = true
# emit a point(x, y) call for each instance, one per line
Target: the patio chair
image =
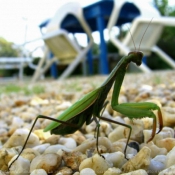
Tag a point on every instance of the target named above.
point(65, 49)
point(7, 63)
point(137, 29)
point(19, 63)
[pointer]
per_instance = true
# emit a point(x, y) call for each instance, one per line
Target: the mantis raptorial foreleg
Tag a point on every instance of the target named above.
point(140, 110)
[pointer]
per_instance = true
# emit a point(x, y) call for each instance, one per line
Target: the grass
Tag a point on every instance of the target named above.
point(12, 88)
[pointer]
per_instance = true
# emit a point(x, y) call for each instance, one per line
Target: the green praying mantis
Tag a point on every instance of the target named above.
point(89, 107)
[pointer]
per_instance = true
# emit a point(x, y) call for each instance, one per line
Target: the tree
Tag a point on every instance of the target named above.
point(7, 49)
point(167, 39)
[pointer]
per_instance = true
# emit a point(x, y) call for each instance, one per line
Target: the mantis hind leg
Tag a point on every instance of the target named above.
point(98, 121)
point(44, 117)
point(125, 125)
point(112, 121)
point(97, 129)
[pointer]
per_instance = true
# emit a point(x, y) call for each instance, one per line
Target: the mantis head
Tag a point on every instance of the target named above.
point(136, 57)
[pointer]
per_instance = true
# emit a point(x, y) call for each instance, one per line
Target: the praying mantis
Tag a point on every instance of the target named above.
point(89, 107)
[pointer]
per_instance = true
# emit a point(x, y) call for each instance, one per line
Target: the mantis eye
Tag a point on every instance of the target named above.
point(140, 54)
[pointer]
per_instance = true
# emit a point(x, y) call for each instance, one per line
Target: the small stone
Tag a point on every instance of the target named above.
point(116, 158)
point(97, 163)
point(168, 116)
point(6, 155)
point(38, 172)
point(27, 116)
point(91, 143)
point(140, 161)
point(118, 146)
point(64, 170)
point(53, 139)
point(78, 137)
point(56, 148)
point(117, 134)
point(170, 158)
point(41, 148)
point(136, 172)
point(19, 137)
point(87, 171)
point(165, 133)
point(17, 122)
point(29, 154)
point(167, 143)
point(42, 135)
point(169, 171)
point(157, 164)
point(105, 128)
point(21, 166)
point(68, 142)
point(137, 131)
point(147, 122)
point(73, 159)
point(48, 162)
point(134, 145)
point(155, 150)
point(113, 171)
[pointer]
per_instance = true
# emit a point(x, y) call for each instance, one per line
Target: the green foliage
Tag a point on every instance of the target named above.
point(167, 39)
point(7, 49)
point(162, 6)
point(12, 88)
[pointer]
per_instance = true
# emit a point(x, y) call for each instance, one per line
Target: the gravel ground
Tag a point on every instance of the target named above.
point(74, 154)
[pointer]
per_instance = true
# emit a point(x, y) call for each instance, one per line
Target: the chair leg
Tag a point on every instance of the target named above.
point(37, 72)
point(21, 71)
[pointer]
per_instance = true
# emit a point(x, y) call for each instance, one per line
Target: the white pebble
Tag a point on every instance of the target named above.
point(140, 161)
point(170, 158)
point(56, 148)
point(105, 127)
point(137, 172)
point(117, 158)
point(68, 142)
point(41, 148)
point(157, 164)
point(168, 171)
point(87, 171)
point(19, 137)
point(38, 172)
point(113, 171)
point(97, 163)
point(117, 134)
point(21, 166)
point(48, 162)
point(17, 122)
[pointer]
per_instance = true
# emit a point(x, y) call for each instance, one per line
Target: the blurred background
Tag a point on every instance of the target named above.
point(20, 20)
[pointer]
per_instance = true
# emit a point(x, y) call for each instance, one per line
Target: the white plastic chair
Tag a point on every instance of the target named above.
point(62, 46)
point(137, 29)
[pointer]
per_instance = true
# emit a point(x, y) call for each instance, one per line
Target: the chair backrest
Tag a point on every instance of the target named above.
point(143, 42)
point(57, 39)
point(137, 28)
point(71, 8)
point(61, 46)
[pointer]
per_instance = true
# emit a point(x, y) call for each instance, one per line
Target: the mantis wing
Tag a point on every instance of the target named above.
point(78, 107)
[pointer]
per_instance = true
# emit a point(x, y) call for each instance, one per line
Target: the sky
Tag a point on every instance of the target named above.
point(19, 19)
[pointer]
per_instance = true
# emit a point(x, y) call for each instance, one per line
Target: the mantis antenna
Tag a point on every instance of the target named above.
point(132, 39)
point(141, 38)
point(144, 33)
